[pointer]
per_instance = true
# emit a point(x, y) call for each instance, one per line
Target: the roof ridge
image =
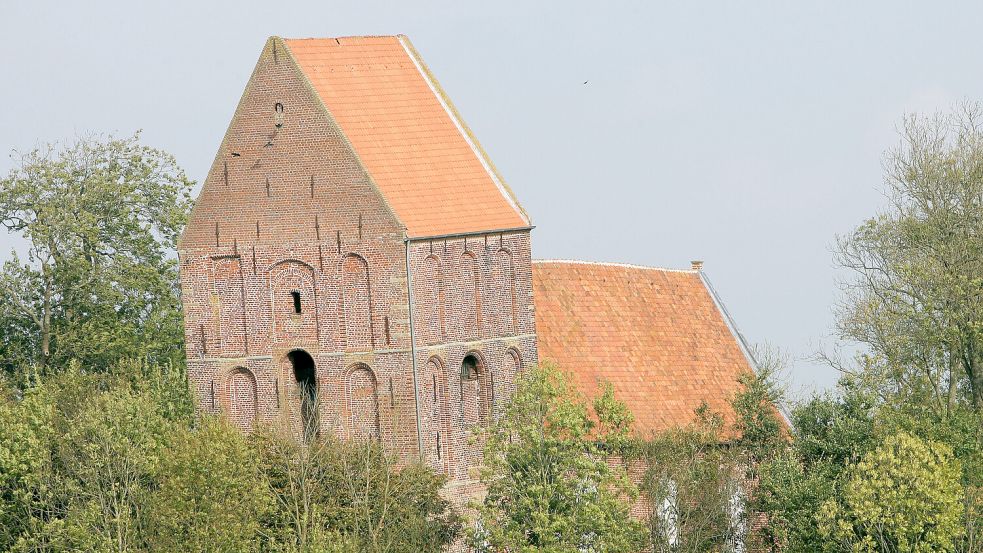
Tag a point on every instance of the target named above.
point(612, 264)
point(345, 37)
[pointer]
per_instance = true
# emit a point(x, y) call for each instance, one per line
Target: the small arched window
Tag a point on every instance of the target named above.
point(469, 368)
point(475, 390)
point(278, 114)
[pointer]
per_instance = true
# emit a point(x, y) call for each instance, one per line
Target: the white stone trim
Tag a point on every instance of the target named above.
point(460, 127)
point(610, 264)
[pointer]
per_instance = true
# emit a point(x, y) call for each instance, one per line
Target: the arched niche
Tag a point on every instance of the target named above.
point(362, 395)
point(429, 285)
point(477, 392)
point(356, 304)
point(242, 398)
point(294, 302)
point(437, 437)
point(470, 295)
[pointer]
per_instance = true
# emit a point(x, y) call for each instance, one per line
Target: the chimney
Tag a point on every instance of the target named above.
point(696, 265)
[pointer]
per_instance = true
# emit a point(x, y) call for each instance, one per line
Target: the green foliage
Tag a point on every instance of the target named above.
point(833, 434)
point(904, 496)
point(759, 429)
point(917, 300)
point(329, 488)
point(693, 484)
point(210, 496)
point(835, 431)
point(550, 487)
point(117, 461)
point(789, 494)
point(830, 432)
point(614, 423)
point(95, 456)
point(26, 431)
point(101, 218)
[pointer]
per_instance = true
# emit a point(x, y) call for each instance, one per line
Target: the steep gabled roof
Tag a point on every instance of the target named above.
point(656, 335)
point(421, 156)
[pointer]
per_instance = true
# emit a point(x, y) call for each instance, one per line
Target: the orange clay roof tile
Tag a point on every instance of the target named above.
point(656, 335)
point(427, 166)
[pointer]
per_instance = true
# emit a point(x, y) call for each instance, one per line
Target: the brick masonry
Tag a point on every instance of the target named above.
point(291, 247)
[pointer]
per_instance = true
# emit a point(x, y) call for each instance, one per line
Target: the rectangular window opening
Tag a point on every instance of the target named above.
point(296, 297)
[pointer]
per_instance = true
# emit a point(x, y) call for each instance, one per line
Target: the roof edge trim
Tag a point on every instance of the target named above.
point(738, 336)
point(462, 127)
point(225, 139)
point(471, 233)
point(611, 264)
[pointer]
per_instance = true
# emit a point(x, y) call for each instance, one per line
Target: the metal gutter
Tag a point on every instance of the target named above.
point(463, 234)
point(416, 388)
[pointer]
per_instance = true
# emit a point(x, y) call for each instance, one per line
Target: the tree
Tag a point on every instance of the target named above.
point(550, 486)
point(904, 496)
point(101, 219)
point(93, 458)
point(351, 496)
point(210, 494)
point(917, 299)
point(828, 434)
point(693, 482)
point(702, 479)
point(115, 461)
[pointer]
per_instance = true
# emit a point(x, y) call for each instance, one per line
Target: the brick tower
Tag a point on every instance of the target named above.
point(354, 244)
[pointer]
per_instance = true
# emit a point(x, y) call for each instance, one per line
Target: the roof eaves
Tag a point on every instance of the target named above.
point(467, 233)
point(469, 136)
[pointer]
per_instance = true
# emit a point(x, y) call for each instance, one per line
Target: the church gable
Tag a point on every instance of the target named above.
point(285, 172)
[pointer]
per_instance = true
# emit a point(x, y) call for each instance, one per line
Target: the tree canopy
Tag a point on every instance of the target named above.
point(550, 487)
point(101, 217)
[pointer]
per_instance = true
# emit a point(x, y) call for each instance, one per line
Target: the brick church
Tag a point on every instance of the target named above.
point(355, 264)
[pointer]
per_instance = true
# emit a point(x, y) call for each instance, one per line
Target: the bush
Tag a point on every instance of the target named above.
point(905, 495)
point(116, 461)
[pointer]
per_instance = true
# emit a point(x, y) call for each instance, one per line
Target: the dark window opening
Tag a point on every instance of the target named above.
point(296, 297)
point(304, 372)
point(434, 388)
point(469, 368)
point(438, 446)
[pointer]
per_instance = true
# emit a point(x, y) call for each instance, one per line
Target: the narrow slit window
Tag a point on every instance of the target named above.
point(439, 456)
point(296, 297)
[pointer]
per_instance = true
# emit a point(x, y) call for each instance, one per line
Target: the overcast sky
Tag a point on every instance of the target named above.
point(746, 134)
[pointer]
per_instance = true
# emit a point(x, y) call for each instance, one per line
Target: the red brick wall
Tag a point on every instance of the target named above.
point(479, 324)
point(289, 210)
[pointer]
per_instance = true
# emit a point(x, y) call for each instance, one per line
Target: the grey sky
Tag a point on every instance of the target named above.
point(745, 134)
